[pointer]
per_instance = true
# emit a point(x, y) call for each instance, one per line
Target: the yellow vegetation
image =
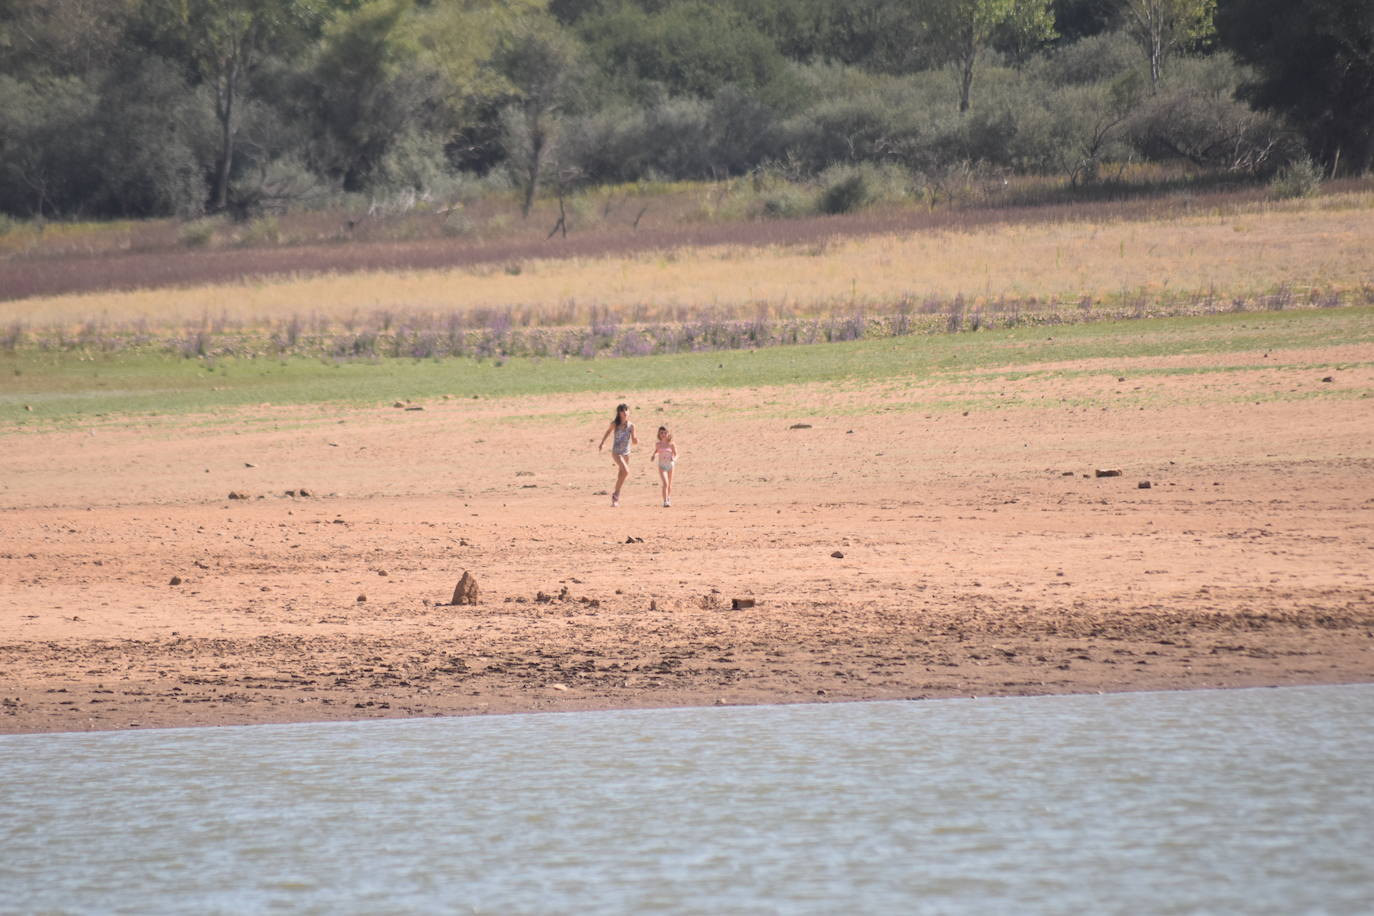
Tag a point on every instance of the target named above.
point(1327, 247)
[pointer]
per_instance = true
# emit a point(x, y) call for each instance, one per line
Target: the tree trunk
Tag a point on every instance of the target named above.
point(226, 123)
point(1156, 55)
point(536, 163)
point(968, 53)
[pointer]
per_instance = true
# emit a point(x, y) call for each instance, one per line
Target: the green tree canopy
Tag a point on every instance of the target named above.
point(691, 48)
point(962, 29)
point(1159, 27)
point(1315, 62)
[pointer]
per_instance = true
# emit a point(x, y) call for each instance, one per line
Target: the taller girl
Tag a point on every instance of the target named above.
point(624, 432)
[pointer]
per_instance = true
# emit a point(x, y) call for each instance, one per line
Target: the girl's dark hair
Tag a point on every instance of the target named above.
point(664, 429)
point(619, 409)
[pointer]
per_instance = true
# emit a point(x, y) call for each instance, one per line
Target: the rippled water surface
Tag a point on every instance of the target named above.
point(1256, 801)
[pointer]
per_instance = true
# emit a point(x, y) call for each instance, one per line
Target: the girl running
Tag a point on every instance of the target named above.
point(665, 453)
point(624, 432)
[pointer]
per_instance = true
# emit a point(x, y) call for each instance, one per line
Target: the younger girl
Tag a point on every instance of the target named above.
point(665, 453)
point(624, 432)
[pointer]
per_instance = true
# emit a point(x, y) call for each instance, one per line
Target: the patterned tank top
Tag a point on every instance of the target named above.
point(621, 443)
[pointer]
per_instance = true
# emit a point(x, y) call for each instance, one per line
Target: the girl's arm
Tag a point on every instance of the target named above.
point(603, 437)
point(634, 440)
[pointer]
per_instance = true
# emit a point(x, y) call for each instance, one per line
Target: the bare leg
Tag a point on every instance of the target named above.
point(665, 478)
point(622, 465)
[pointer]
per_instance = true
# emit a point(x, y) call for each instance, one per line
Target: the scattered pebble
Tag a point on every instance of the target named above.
point(839, 554)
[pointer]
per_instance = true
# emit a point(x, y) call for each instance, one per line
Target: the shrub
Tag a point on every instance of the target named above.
point(785, 202)
point(845, 195)
point(198, 233)
point(1299, 178)
point(886, 182)
point(265, 230)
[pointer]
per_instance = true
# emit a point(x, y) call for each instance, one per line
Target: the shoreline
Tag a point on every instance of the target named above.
point(669, 703)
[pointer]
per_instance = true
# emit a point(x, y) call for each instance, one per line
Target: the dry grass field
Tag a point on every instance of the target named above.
point(1304, 248)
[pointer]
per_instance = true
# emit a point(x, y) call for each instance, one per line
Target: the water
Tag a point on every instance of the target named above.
point(1254, 801)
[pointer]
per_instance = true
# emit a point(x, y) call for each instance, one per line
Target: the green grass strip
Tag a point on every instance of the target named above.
point(43, 389)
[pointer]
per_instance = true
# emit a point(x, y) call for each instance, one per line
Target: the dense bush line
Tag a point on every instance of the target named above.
point(179, 107)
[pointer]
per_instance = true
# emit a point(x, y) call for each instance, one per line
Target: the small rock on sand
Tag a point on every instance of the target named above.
point(1329, 378)
point(800, 426)
point(1107, 472)
point(466, 591)
point(1144, 485)
point(737, 604)
point(176, 580)
point(362, 599)
point(839, 554)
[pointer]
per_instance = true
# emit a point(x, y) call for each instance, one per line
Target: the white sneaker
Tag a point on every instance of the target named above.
point(667, 503)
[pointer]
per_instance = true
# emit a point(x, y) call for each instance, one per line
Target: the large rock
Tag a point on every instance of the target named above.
point(466, 592)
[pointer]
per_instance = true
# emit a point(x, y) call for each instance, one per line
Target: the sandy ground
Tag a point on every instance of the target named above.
point(979, 555)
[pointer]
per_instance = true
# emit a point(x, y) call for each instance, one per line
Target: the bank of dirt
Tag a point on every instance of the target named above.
point(941, 537)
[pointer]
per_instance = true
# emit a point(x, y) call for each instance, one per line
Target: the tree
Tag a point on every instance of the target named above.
point(964, 28)
point(371, 91)
point(44, 140)
point(223, 40)
point(1316, 65)
point(541, 65)
point(1162, 26)
point(60, 37)
point(691, 48)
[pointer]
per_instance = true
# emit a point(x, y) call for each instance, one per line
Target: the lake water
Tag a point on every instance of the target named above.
point(1247, 801)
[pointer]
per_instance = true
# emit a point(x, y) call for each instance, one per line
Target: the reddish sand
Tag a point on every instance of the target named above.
point(979, 554)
